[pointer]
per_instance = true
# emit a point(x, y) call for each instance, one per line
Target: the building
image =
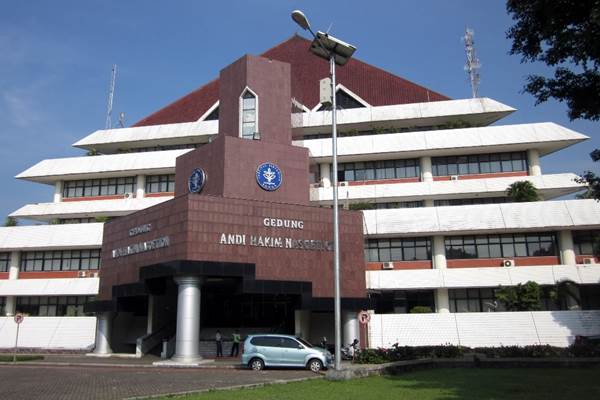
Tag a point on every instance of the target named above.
point(225, 195)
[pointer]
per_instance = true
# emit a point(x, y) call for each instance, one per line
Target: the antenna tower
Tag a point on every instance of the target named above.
point(111, 93)
point(472, 66)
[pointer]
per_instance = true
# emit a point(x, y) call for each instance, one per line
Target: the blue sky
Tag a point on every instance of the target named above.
point(56, 58)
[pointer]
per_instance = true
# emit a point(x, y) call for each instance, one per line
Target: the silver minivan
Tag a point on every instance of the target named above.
point(270, 350)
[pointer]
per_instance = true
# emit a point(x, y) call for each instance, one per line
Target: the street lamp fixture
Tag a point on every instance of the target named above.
point(336, 52)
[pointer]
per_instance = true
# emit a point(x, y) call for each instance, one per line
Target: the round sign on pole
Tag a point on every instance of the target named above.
point(364, 317)
point(19, 318)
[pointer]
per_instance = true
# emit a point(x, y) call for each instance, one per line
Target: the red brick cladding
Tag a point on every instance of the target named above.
point(195, 223)
point(376, 86)
point(230, 164)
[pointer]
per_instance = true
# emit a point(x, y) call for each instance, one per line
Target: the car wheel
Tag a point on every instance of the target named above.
point(257, 364)
point(315, 365)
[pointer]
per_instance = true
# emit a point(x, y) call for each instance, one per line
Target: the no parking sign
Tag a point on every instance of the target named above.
point(364, 317)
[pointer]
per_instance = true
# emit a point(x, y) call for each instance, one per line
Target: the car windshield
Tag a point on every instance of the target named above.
point(304, 342)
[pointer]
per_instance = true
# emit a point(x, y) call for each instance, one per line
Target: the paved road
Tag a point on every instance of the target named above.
point(103, 383)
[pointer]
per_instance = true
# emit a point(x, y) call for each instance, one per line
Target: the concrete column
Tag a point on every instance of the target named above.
point(325, 172)
point(426, 173)
point(58, 188)
point(188, 320)
point(350, 327)
point(442, 302)
point(140, 187)
point(103, 330)
point(428, 202)
point(533, 159)
point(13, 273)
point(302, 324)
point(567, 251)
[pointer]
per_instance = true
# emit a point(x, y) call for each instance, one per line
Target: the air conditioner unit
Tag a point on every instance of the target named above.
point(128, 195)
point(82, 274)
point(344, 183)
point(388, 265)
point(508, 263)
point(589, 261)
point(453, 177)
point(95, 274)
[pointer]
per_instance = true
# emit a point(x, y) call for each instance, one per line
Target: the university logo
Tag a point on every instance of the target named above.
point(268, 176)
point(197, 180)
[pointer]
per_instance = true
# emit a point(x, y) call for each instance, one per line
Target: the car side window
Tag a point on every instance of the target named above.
point(289, 343)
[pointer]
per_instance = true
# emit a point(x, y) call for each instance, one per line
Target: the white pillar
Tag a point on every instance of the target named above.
point(150, 320)
point(567, 251)
point(426, 174)
point(103, 330)
point(325, 172)
point(350, 327)
point(140, 190)
point(533, 159)
point(428, 202)
point(302, 324)
point(188, 320)
point(13, 273)
point(58, 188)
point(442, 301)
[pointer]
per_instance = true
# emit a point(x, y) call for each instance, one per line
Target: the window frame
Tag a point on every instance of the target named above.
point(241, 113)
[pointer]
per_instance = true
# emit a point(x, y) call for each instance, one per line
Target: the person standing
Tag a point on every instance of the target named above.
point(235, 347)
point(219, 341)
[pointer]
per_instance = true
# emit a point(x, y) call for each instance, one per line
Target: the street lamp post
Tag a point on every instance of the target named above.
point(337, 52)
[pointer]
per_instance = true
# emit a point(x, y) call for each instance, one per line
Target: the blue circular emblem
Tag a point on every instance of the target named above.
point(268, 176)
point(197, 180)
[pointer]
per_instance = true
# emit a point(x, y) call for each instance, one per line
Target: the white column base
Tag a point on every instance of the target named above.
point(103, 331)
point(350, 327)
point(188, 321)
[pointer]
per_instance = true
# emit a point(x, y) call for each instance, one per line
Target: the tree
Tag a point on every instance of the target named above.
point(11, 221)
point(522, 191)
point(523, 297)
point(564, 34)
point(591, 179)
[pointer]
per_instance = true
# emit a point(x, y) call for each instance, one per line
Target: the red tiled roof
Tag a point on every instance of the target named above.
point(376, 86)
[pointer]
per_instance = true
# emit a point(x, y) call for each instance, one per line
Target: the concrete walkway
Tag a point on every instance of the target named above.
point(70, 378)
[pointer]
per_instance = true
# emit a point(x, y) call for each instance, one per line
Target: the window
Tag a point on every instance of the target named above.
point(583, 242)
point(60, 260)
point(76, 220)
point(404, 249)
point(98, 187)
point(2, 305)
point(4, 262)
point(377, 170)
point(479, 164)
point(249, 120)
point(501, 246)
point(472, 300)
point(53, 306)
point(214, 115)
point(343, 101)
point(399, 204)
point(472, 201)
point(160, 183)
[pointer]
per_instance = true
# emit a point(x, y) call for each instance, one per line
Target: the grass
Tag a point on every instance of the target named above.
point(9, 358)
point(434, 384)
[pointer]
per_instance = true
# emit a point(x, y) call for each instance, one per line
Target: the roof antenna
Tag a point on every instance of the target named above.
point(121, 119)
point(111, 93)
point(328, 29)
point(472, 65)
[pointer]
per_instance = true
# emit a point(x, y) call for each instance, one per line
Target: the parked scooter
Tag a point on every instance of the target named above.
point(348, 352)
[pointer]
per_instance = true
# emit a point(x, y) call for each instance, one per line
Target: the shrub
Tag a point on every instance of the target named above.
point(421, 310)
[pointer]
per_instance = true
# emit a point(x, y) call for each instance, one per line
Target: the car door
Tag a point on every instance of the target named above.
point(271, 350)
point(294, 353)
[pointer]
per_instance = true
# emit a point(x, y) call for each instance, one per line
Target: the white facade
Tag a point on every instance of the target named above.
point(50, 247)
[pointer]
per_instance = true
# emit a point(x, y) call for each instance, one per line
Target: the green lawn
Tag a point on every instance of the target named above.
point(459, 383)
